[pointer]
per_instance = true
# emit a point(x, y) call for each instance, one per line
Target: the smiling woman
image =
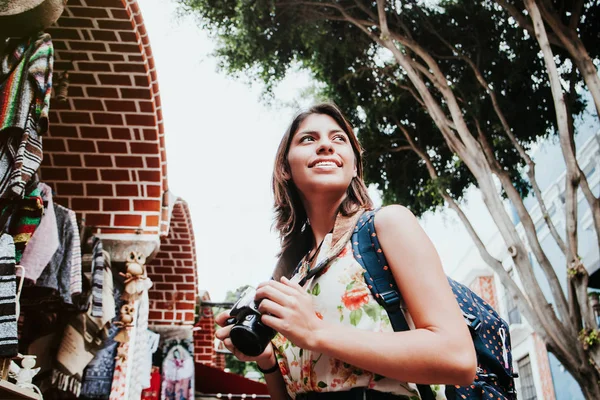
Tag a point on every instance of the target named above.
point(334, 339)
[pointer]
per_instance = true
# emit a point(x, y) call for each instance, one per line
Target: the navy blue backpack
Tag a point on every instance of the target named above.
point(495, 375)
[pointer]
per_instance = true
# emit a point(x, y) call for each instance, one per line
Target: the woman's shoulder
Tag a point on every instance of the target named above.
point(395, 220)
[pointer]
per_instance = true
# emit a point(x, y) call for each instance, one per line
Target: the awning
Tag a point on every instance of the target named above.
point(214, 380)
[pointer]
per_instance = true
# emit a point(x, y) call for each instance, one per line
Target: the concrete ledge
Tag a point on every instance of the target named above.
point(22, 18)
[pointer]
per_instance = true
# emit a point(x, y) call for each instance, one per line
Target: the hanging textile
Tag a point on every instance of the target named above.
point(24, 217)
point(82, 338)
point(178, 364)
point(8, 291)
point(152, 346)
point(45, 240)
point(54, 283)
point(125, 351)
point(98, 375)
point(25, 90)
point(76, 285)
point(153, 392)
point(97, 277)
point(137, 370)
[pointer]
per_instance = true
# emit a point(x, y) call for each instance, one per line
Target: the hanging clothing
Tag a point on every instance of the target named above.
point(25, 89)
point(178, 370)
point(45, 240)
point(8, 300)
point(54, 283)
point(97, 277)
point(24, 217)
point(146, 365)
point(98, 375)
point(76, 283)
point(137, 369)
point(153, 392)
point(82, 338)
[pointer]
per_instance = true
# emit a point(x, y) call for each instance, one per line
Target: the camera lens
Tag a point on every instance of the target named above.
point(250, 336)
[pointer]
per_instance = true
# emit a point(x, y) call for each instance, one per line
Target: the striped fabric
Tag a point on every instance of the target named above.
point(25, 89)
point(97, 278)
point(76, 286)
point(25, 216)
point(8, 292)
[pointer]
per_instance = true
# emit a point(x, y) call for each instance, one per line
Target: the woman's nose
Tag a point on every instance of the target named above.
point(325, 147)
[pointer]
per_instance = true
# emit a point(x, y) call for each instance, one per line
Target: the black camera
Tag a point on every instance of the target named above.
point(248, 334)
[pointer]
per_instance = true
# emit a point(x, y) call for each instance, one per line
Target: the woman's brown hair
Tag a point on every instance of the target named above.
point(290, 217)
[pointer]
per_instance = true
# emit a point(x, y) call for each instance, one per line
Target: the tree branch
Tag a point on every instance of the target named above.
point(530, 231)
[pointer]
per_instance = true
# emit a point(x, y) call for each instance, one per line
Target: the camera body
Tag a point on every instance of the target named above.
point(248, 334)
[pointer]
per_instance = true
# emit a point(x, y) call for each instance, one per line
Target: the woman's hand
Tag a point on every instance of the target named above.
point(288, 308)
point(266, 360)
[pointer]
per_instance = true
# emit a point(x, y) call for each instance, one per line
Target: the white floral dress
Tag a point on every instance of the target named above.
point(339, 294)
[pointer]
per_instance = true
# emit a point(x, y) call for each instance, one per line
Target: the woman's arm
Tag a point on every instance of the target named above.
point(266, 360)
point(439, 350)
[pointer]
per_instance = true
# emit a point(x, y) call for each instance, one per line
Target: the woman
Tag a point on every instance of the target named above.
point(334, 340)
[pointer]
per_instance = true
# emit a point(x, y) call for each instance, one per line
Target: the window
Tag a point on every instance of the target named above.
point(526, 378)
point(514, 316)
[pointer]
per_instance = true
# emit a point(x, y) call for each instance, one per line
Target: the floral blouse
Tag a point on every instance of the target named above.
point(340, 294)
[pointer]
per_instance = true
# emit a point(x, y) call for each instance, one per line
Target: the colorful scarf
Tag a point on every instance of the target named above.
point(44, 242)
point(25, 90)
point(8, 300)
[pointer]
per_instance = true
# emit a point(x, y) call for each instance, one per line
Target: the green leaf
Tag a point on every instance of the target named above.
point(301, 352)
point(322, 384)
point(355, 316)
point(316, 290)
point(350, 285)
point(306, 380)
point(372, 310)
point(378, 377)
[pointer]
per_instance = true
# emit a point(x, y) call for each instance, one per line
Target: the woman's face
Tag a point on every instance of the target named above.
point(321, 156)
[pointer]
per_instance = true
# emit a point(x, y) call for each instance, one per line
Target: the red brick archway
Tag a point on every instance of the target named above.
point(174, 294)
point(105, 155)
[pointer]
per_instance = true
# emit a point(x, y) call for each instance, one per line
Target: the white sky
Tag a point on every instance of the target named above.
point(221, 142)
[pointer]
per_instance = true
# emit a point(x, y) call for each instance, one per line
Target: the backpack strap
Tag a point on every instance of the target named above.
point(378, 276)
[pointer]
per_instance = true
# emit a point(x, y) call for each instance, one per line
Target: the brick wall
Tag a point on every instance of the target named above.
point(105, 155)
point(204, 338)
point(173, 272)
point(484, 287)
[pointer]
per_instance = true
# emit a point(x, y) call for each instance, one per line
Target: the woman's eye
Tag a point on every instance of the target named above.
point(340, 137)
point(306, 138)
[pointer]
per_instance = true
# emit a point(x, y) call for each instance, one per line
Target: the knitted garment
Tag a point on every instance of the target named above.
point(44, 242)
point(8, 291)
point(57, 274)
point(97, 277)
point(140, 350)
point(152, 346)
point(25, 216)
point(25, 90)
